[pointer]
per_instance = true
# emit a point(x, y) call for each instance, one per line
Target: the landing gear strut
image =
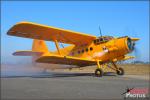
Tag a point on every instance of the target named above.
point(99, 72)
point(119, 70)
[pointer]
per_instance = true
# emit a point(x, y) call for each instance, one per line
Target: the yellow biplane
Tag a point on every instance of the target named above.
point(85, 50)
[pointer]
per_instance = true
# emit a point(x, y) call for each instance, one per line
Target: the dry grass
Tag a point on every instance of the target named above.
point(136, 69)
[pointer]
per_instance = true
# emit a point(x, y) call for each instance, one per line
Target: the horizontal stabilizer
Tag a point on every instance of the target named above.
point(67, 60)
point(26, 53)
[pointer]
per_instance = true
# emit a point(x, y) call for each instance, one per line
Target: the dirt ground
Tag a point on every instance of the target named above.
point(130, 69)
point(28, 83)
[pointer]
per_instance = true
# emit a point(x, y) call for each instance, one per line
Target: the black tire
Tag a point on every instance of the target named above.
point(120, 71)
point(99, 72)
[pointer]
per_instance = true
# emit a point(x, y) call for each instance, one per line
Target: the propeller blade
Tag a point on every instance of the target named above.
point(136, 53)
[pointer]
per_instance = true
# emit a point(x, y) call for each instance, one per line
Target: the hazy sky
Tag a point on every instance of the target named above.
point(126, 18)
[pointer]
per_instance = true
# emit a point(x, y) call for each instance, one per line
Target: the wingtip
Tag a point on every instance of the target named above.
point(23, 22)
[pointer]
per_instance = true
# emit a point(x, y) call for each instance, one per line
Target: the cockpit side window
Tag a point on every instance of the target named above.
point(102, 39)
point(94, 41)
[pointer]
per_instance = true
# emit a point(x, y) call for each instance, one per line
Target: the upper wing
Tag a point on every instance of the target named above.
point(66, 60)
point(42, 32)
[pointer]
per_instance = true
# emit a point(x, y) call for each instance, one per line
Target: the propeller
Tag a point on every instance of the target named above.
point(136, 51)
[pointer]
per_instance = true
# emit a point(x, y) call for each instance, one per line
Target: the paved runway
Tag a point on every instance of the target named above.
point(69, 86)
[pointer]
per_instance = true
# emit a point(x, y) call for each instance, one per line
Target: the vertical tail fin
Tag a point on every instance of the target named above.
point(38, 49)
point(39, 46)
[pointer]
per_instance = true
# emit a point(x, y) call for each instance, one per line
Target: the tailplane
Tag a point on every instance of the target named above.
point(38, 48)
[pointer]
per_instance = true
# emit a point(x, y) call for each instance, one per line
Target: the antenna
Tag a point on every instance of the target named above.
point(100, 31)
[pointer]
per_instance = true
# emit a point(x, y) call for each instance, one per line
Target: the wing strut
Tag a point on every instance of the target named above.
point(57, 46)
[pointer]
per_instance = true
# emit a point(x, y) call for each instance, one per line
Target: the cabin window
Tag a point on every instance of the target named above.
point(83, 51)
point(101, 39)
point(72, 53)
point(86, 49)
point(78, 52)
point(95, 41)
point(91, 48)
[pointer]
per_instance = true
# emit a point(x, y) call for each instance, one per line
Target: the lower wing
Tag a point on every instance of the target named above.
point(124, 58)
point(67, 60)
point(128, 57)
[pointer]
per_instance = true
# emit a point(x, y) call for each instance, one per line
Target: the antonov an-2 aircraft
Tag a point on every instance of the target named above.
point(85, 50)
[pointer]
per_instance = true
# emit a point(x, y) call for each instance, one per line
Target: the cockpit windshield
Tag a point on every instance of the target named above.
point(103, 39)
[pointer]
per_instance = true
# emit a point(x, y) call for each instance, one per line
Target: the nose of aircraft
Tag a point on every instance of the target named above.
point(125, 44)
point(131, 43)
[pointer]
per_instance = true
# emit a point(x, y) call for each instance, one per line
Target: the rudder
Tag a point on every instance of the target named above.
point(39, 46)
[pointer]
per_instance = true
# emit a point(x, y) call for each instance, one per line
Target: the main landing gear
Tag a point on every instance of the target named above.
point(119, 70)
point(99, 72)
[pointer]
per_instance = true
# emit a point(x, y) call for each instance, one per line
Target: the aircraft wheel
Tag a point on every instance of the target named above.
point(99, 72)
point(120, 71)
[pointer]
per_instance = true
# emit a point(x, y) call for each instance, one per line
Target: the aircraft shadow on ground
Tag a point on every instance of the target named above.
point(57, 75)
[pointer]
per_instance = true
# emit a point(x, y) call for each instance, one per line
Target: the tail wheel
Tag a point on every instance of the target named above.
point(99, 72)
point(120, 71)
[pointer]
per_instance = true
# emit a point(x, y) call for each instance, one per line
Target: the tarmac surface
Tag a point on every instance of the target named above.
point(69, 86)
